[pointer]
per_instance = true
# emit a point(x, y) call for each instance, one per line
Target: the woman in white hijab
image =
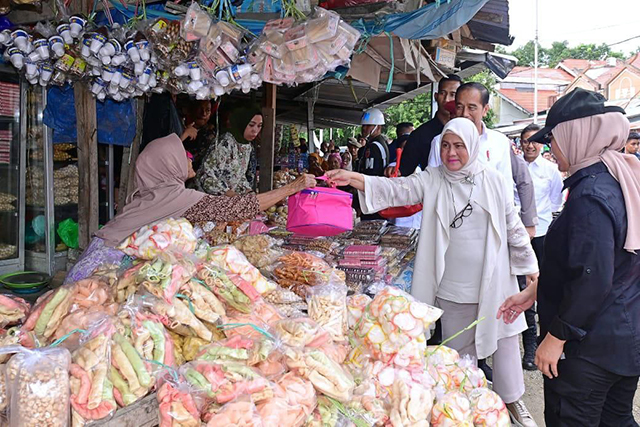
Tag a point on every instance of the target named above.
point(472, 246)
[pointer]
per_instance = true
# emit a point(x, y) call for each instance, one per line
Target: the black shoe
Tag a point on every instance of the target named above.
point(528, 364)
point(488, 372)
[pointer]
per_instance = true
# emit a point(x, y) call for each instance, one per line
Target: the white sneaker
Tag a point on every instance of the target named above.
point(520, 414)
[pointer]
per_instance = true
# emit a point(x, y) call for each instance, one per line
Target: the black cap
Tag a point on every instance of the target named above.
point(576, 104)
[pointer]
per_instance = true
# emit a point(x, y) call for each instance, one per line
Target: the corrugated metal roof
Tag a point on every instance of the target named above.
point(491, 23)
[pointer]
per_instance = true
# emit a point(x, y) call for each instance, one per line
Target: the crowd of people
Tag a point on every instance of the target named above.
point(530, 243)
point(502, 237)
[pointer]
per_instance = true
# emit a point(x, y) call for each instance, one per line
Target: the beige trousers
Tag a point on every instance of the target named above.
point(508, 378)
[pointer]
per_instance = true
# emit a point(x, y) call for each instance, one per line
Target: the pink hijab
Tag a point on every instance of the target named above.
point(161, 170)
point(589, 140)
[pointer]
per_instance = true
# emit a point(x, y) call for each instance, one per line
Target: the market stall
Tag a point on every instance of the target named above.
point(271, 328)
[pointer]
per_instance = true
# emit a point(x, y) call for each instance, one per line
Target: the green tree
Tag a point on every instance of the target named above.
point(416, 111)
point(559, 50)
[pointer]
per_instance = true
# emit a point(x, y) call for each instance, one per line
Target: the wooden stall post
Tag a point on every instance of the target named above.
point(129, 157)
point(267, 146)
point(87, 130)
point(86, 124)
point(310, 126)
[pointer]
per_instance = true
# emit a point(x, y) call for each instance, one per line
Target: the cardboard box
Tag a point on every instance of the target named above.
point(443, 51)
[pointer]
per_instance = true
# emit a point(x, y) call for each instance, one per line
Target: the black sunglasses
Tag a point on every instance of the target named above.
point(458, 220)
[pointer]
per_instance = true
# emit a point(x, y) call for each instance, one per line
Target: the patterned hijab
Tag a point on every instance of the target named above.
point(161, 171)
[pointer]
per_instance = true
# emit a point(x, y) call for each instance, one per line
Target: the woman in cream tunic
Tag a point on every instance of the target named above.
point(472, 246)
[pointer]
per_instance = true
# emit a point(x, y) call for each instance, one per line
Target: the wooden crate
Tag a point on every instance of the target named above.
point(141, 414)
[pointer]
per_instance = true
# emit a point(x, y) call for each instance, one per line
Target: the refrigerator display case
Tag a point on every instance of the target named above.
point(12, 166)
point(51, 192)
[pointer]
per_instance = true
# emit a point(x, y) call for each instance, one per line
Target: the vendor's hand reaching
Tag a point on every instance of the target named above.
point(189, 133)
point(518, 303)
point(303, 182)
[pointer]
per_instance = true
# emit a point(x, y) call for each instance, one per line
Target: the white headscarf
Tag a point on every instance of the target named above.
point(467, 131)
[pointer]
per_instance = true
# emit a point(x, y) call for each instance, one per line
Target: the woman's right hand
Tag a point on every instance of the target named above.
point(339, 177)
point(303, 182)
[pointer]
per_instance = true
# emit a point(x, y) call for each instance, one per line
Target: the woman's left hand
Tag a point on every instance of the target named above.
point(548, 355)
point(517, 304)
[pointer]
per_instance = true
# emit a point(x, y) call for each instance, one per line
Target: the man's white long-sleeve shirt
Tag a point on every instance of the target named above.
point(547, 186)
point(494, 152)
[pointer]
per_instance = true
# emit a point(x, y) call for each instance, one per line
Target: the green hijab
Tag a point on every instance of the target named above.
point(239, 118)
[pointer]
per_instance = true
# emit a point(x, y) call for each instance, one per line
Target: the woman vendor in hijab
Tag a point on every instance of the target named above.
point(161, 171)
point(471, 247)
point(589, 289)
point(229, 167)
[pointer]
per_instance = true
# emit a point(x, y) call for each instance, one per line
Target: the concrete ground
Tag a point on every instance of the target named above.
point(534, 398)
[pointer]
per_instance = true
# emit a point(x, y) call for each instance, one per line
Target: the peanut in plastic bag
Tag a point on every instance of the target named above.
point(38, 385)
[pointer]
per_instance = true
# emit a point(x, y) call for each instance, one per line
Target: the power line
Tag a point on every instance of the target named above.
point(624, 41)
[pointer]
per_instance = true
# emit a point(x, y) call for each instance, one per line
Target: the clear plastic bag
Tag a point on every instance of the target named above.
point(196, 23)
point(230, 259)
point(92, 392)
point(259, 249)
point(301, 332)
point(323, 26)
point(293, 401)
point(239, 413)
point(488, 408)
point(178, 403)
point(38, 386)
point(48, 312)
point(161, 236)
point(12, 310)
point(410, 404)
point(328, 307)
point(224, 381)
point(452, 409)
point(393, 328)
point(326, 375)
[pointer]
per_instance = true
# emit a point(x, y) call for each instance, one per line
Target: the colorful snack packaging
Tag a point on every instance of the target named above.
point(488, 409)
point(175, 235)
point(393, 326)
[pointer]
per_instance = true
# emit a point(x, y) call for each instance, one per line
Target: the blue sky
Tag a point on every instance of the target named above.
point(577, 21)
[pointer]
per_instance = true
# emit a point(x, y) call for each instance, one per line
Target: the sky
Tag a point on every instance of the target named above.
point(577, 21)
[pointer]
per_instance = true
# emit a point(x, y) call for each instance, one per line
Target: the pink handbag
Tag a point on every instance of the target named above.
point(320, 211)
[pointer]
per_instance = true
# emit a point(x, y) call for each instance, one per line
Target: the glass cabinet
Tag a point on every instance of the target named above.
point(51, 189)
point(12, 166)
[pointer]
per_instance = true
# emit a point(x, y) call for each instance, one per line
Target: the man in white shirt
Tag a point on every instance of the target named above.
point(472, 102)
point(547, 187)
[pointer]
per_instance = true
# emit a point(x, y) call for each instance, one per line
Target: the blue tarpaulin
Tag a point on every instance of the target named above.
point(432, 21)
point(116, 120)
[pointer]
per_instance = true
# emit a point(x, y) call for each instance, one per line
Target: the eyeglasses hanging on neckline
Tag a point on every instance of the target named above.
point(458, 220)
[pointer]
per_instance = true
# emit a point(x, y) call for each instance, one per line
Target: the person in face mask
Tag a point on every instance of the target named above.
point(227, 167)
